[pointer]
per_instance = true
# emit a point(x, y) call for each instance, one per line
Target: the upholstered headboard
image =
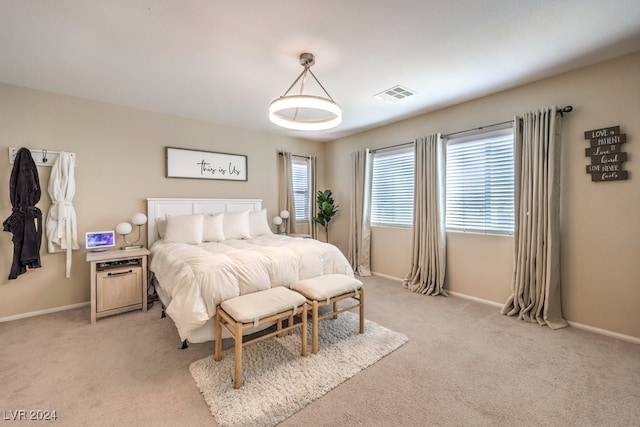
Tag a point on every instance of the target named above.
point(159, 208)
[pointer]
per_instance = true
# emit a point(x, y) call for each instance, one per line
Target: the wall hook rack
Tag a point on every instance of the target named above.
point(42, 157)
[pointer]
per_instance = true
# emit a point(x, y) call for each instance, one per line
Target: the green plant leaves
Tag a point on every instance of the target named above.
point(326, 208)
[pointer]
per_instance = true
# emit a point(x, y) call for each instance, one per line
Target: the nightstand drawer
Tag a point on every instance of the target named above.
point(118, 288)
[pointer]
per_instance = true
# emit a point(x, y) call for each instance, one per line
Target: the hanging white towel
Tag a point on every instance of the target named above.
point(61, 225)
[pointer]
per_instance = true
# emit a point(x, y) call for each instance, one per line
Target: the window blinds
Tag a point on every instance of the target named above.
point(480, 183)
point(392, 185)
point(300, 172)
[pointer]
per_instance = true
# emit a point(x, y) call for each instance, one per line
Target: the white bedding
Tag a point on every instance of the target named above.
point(198, 277)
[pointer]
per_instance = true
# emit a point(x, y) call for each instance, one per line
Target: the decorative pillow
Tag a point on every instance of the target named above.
point(184, 229)
point(161, 226)
point(236, 225)
point(212, 230)
point(258, 224)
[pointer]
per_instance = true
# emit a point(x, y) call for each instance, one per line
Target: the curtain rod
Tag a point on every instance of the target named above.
point(280, 153)
point(391, 146)
point(446, 135)
point(560, 111)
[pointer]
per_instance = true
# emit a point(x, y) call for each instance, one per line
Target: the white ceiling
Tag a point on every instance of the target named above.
point(225, 61)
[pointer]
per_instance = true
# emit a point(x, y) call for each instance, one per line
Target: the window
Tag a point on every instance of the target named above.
point(480, 183)
point(300, 172)
point(392, 184)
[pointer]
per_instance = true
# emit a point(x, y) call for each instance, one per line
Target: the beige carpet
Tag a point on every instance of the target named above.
point(278, 381)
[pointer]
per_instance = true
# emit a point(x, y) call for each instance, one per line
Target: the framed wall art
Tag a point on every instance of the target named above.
point(185, 163)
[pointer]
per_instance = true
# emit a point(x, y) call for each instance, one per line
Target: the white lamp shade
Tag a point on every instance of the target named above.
point(284, 214)
point(305, 102)
point(123, 228)
point(277, 220)
point(139, 219)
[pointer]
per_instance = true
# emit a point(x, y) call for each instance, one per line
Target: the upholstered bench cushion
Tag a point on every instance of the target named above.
point(322, 288)
point(257, 305)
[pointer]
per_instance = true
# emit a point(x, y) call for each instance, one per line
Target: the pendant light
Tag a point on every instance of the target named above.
point(305, 112)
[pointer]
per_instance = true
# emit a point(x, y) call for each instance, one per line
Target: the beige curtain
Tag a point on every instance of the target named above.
point(360, 213)
point(313, 190)
point(286, 195)
point(428, 251)
point(536, 279)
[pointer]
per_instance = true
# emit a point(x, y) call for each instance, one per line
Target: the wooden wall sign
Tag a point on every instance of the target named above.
point(607, 157)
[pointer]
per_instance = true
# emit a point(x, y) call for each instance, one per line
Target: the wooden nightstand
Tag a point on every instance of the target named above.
point(118, 281)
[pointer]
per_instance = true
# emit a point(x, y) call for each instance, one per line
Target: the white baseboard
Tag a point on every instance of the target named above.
point(576, 325)
point(606, 332)
point(476, 299)
point(395, 279)
point(45, 311)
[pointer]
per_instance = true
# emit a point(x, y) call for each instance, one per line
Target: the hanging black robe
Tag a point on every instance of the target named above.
point(25, 221)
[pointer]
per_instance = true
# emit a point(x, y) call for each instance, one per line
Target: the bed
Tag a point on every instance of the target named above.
point(204, 251)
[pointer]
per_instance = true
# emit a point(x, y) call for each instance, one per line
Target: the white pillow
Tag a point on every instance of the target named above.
point(161, 226)
point(236, 225)
point(212, 230)
point(258, 224)
point(184, 229)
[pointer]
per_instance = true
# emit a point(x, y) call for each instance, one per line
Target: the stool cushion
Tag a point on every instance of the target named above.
point(325, 287)
point(257, 305)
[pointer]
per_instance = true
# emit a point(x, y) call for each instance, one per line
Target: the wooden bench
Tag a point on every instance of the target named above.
point(255, 309)
point(329, 289)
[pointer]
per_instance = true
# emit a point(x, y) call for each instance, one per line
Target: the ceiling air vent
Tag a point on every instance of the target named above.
point(394, 94)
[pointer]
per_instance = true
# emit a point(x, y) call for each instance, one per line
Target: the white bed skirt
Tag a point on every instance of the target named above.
point(207, 331)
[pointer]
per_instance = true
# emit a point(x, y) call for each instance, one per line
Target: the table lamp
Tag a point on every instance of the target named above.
point(124, 228)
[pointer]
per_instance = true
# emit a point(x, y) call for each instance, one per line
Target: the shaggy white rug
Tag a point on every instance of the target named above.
point(278, 382)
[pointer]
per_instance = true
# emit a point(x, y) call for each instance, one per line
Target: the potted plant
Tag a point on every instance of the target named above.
point(326, 210)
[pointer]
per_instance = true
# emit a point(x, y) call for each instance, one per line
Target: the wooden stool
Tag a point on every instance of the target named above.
point(255, 309)
point(329, 289)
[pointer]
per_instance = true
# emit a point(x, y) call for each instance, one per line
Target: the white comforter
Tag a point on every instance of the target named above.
point(199, 277)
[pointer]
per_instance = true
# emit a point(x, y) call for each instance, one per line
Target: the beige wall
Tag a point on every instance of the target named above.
point(120, 162)
point(600, 252)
